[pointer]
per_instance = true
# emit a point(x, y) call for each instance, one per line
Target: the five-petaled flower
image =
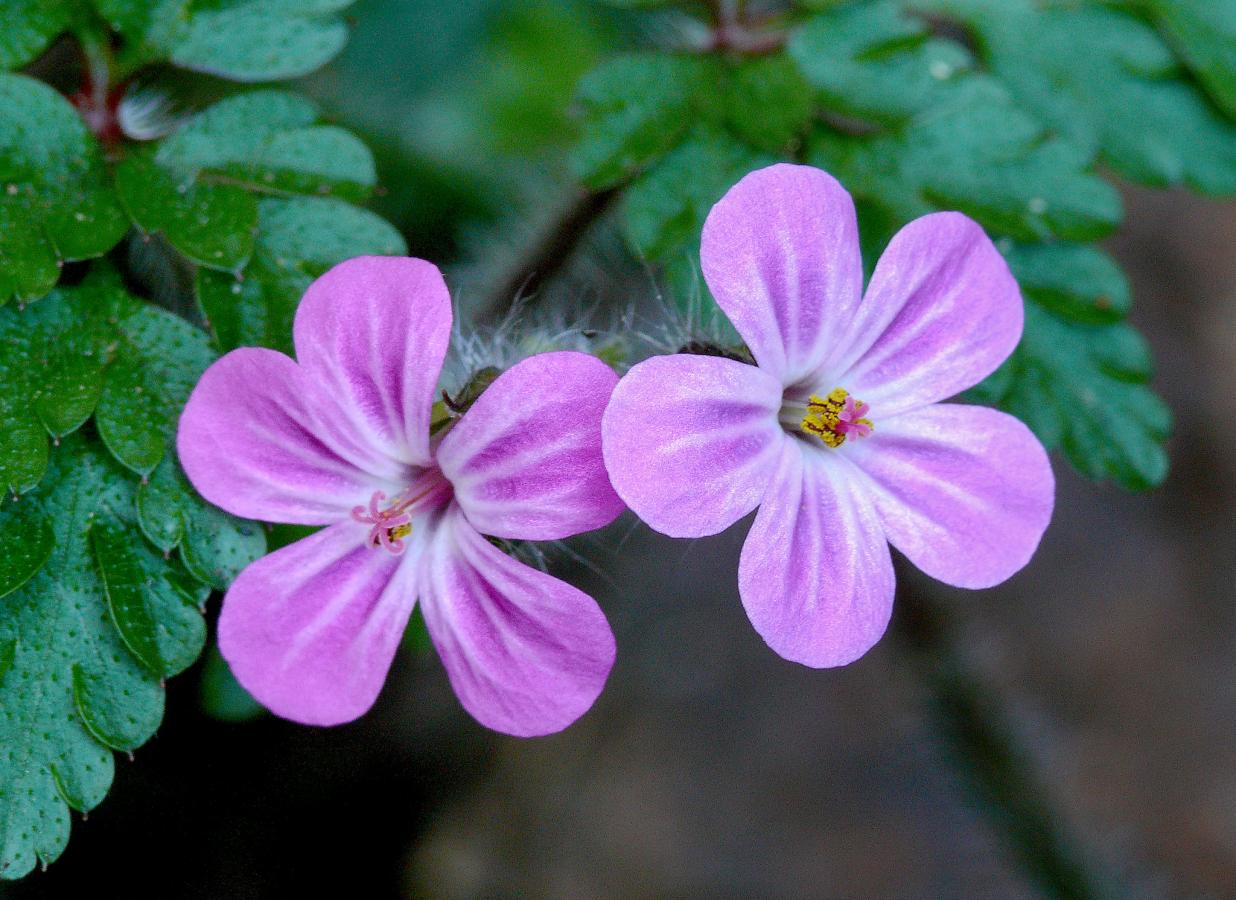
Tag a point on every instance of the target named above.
point(837, 433)
point(341, 437)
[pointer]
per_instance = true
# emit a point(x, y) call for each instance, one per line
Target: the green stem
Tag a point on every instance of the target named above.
point(995, 765)
point(548, 252)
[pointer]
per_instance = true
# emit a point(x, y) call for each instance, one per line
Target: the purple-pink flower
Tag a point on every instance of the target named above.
point(341, 437)
point(837, 433)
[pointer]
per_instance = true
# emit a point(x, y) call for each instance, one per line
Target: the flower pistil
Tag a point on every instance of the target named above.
point(834, 418)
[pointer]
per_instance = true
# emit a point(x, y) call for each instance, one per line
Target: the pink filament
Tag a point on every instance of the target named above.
point(383, 520)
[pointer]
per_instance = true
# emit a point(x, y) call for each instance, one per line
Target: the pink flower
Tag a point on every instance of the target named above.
point(341, 437)
point(837, 434)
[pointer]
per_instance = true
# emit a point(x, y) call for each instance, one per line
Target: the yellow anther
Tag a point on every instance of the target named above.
point(834, 417)
point(399, 531)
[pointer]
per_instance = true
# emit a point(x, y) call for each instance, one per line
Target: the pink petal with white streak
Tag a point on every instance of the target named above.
point(780, 254)
point(252, 441)
point(526, 653)
point(311, 629)
point(373, 332)
point(941, 313)
point(815, 575)
point(691, 441)
point(525, 461)
point(965, 492)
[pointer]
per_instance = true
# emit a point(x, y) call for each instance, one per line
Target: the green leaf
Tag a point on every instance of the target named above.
point(977, 152)
point(199, 186)
point(153, 604)
point(262, 40)
point(217, 546)
point(768, 103)
point(158, 359)
point(271, 142)
point(56, 201)
point(25, 544)
point(635, 108)
point(8, 650)
point(298, 240)
point(164, 502)
point(211, 224)
point(71, 691)
point(1123, 95)
point(93, 349)
point(1078, 377)
point(664, 209)
point(214, 546)
point(52, 357)
point(877, 61)
point(244, 40)
point(29, 26)
point(108, 714)
point(23, 444)
point(1203, 32)
point(1076, 281)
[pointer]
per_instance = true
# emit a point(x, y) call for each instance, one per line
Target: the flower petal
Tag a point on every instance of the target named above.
point(250, 441)
point(780, 254)
point(310, 630)
point(815, 575)
point(964, 491)
point(373, 331)
point(690, 441)
point(526, 653)
point(941, 313)
point(525, 460)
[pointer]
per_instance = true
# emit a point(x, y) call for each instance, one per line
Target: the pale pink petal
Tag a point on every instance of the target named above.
point(690, 441)
point(373, 331)
point(251, 442)
point(941, 313)
point(526, 653)
point(815, 575)
point(310, 630)
point(964, 491)
point(780, 254)
point(525, 460)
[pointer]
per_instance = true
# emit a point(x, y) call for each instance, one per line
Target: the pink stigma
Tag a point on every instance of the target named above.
point(850, 419)
point(389, 525)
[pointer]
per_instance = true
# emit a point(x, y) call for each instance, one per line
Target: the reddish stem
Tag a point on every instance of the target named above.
point(734, 30)
point(98, 102)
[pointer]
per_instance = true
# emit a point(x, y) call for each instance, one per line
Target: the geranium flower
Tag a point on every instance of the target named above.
point(837, 433)
point(341, 437)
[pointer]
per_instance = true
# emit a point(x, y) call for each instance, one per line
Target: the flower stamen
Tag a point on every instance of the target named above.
point(836, 417)
point(392, 524)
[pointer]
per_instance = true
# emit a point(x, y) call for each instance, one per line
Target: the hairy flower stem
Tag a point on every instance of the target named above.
point(997, 768)
point(548, 252)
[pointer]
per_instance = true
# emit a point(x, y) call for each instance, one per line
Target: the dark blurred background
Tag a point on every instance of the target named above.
point(1073, 726)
